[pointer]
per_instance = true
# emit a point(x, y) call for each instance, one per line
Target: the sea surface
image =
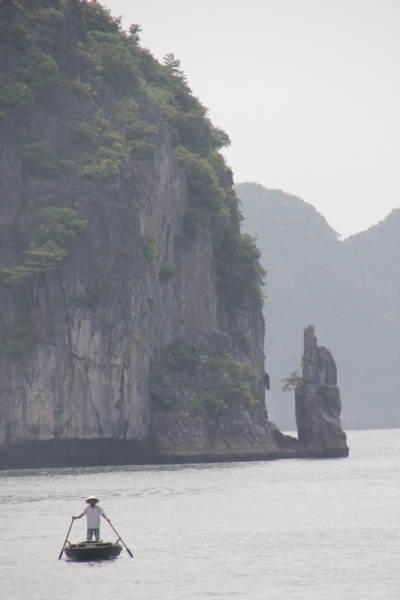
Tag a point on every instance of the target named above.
point(288, 529)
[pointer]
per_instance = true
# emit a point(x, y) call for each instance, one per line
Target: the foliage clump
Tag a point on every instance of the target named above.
point(47, 17)
point(39, 260)
point(23, 39)
point(39, 71)
point(112, 60)
point(16, 99)
point(236, 255)
point(136, 131)
point(105, 146)
point(47, 249)
point(231, 390)
point(294, 381)
point(48, 245)
point(175, 360)
point(166, 272)
point(61, 225)
point(94, 17)
point(231, 380)
point(40, 157)
point(148, 247)
point(36, 74)
point(79, 88)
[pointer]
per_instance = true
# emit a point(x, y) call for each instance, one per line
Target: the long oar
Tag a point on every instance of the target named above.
point(61, 553)
point(120, 538)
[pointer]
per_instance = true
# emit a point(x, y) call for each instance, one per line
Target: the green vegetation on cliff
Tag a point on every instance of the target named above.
point(112, 64)
point(48, 247)
point(120, 245)
point(48, 244)
point(212, 386)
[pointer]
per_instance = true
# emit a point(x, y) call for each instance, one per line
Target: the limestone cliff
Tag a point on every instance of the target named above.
point(93, 125)
point(131, 324)
point(318, 403)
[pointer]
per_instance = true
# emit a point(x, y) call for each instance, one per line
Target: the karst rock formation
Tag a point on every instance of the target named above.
point(131, 326)
point(318, 402)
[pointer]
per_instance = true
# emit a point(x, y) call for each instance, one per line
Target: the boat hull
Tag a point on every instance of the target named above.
point(92, 550)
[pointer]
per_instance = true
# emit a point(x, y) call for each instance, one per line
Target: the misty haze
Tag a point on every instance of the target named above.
point(199, 299)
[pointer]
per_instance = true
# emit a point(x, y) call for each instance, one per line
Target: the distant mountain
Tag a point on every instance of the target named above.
point(349, 291)
point(379, 249)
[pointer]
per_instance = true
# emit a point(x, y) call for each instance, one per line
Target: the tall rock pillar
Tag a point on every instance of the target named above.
point(318, 403)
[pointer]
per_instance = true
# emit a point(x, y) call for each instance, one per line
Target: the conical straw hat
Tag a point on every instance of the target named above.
point(91, 498)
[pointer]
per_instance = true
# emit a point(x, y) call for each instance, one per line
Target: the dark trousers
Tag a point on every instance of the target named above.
point(90, 533)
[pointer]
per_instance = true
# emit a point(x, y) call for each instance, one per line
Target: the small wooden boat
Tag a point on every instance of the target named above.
point(93, 550)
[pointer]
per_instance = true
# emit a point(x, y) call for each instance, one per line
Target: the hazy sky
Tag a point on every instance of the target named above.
point(308, 91)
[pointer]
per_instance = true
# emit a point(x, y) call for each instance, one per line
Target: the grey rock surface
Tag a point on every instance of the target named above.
point(318, 403)
point(239, 436)
point(76, 351)
point(95, 323)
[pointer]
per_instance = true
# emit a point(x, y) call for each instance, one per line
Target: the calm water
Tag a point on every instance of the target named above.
point(276, 530)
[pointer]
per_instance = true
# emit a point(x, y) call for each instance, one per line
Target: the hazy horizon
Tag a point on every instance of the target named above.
point(308, 92)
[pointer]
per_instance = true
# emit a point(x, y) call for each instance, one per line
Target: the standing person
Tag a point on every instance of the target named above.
point(93, 513)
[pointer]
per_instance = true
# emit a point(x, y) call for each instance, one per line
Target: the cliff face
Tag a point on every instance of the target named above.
point(131, 327)
point(318, 403)
point(108, 309)
point(78, 339)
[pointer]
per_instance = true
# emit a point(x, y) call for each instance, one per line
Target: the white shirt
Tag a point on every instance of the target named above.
point(93, 516)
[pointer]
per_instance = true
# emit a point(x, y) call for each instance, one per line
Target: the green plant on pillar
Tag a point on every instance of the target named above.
point(294, 381)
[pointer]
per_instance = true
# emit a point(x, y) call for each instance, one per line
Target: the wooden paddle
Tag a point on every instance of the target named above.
point(120, 538)
point(62, 550)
